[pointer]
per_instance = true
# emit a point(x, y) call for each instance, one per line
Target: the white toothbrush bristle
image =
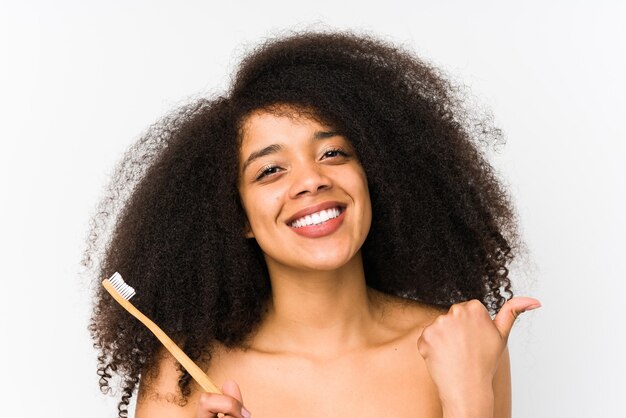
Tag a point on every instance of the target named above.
point(121, 287)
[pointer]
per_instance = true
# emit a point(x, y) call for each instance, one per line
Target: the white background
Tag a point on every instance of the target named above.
point(80, 81)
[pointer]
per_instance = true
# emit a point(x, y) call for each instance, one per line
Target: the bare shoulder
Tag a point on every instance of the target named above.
point(159, 394)
point(404, 316)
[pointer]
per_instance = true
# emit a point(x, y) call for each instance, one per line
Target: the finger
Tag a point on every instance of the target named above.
point(211, 404)
point(505, 319)
point(231, 388)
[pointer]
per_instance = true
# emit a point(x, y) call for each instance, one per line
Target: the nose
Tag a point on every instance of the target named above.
point(308, 178)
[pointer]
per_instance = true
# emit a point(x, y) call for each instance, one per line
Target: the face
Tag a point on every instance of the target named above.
point(304, 192)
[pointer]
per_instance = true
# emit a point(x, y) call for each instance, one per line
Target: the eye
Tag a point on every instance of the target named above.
point(335, 152)
point(268, 170)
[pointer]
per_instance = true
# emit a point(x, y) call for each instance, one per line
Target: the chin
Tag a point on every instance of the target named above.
point(327, 261)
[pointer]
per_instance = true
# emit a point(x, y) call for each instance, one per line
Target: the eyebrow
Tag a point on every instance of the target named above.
point(276, 148)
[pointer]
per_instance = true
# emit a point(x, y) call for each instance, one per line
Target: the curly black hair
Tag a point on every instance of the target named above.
point(443, 227)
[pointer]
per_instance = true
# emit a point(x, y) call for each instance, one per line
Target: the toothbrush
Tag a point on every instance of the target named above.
point(122, 292)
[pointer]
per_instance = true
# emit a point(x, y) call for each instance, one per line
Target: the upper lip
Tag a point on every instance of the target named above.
point(315, 208)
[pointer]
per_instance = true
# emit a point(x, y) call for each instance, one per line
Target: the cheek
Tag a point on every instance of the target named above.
point(365, 195)
point(359, 184)
point(261, 206)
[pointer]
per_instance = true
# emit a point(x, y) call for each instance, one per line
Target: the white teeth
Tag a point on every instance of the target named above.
point(316, 218)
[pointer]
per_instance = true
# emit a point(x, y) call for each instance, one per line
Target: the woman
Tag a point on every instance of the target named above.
point(325, 239)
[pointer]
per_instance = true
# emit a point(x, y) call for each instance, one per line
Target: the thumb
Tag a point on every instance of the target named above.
point(231, 388)
point(510, 311)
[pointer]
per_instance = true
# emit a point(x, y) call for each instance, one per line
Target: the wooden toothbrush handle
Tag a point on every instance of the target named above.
point(192, 368)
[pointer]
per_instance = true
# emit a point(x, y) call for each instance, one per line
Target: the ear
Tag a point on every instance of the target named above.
point(248, 231)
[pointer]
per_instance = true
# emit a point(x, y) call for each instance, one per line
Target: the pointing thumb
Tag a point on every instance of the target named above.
point(510, 311)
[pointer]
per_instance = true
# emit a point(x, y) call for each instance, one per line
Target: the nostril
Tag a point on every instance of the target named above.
point(308, 180)
point(319, 188)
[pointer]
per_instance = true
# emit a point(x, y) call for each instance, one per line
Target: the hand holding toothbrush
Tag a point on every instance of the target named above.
point(213, 403)
point(228, 404)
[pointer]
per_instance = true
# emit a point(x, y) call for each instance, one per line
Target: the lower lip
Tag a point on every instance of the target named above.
point(320, 230)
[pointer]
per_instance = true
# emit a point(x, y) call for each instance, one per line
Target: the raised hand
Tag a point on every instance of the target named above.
point(462, 350)
point(229, 404)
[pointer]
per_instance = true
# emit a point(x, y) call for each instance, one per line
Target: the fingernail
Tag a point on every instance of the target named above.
point(245, 413)
point(531, 307)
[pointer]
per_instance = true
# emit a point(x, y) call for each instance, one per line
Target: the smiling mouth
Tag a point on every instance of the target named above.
point(317, 217)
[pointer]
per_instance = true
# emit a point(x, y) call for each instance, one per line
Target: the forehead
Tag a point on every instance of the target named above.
point(276, 124)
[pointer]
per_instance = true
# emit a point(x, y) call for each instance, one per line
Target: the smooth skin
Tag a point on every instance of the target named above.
point(328, 345)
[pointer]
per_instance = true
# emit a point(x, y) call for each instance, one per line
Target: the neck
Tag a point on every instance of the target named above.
point(322, 312)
